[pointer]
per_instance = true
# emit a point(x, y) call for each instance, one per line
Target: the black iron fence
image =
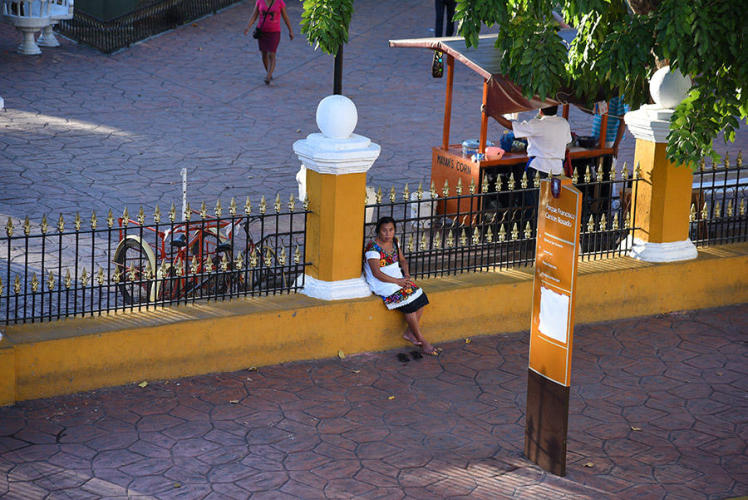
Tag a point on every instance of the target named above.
point(718, 203)
point(81, 268)
point(113, 34)
point(493, 226)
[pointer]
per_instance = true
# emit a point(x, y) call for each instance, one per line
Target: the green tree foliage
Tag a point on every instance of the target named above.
point(616, 51)
point(325, 23)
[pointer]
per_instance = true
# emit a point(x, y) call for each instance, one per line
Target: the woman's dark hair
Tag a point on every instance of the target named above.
point(384, 220)
point(550, 110)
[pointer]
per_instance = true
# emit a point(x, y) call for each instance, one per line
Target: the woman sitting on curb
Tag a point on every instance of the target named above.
point(387, 274)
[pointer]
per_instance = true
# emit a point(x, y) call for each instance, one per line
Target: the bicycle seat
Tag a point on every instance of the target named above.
point(223, 247)
point(179, 242)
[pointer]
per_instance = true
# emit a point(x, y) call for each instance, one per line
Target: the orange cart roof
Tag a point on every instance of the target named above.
point(504, 96)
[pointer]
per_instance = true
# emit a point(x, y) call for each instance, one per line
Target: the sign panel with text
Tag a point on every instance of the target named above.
point(556, 254)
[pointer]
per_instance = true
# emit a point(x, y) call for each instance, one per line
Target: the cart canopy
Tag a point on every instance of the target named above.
point(504, 96)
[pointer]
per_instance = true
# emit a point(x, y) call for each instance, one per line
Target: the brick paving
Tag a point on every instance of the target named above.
point(658, 410)
point(84, 131)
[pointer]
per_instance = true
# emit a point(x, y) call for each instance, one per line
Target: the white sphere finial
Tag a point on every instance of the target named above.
point(668, 88)
point(336, 117)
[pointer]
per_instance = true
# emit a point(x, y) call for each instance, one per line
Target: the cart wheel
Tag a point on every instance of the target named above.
point(133, 259)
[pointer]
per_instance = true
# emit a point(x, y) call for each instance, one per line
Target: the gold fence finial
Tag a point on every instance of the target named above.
point(77, 221)
point(510, 183)
point(268, 258)
point(445, 188)
point(523, 181)
point(282, 257)
point(263, 205)
point(575, 175)
point(125, 217)
point(307, 202)
point(702, 164)
point(437, 243)
point(515, 231)
point(247, 206)
point(291, 203)
point(739, 160)
point(599, 173)
point(1, 287)
point(187, 212)
point(232, 207)
point(717, 210)
point(157, 214)
point(219, 209)
point(297, 255)
point(379, 195)
point(209, 266)
point(727, 159)
point(450, 241)
point(729, 211)
point(591, 224)
point(614, 224)
point(741, 207)
point(406, 193)
point(68, 279)
point(627, 220)
point(484, 185)
point(253, 258)
point(692, 213)
point(489, 235)
point(471, 188)
point(35, 282)
point(26, 226)
point(17, 285)
point(44, 224)
point(410, 246)
point(277, 204)
point(84, 277)
point(432, 190)
point(458, 189)
point(624, 171)
point(588, 174)
point(179, 268)
point(194, 265)
point(638, 171)
point(141, 215)
point(419, 191)
point(528, 230)
point(203, 210)
point(393, 194)
point(463, 237)
point(536, 181)
point(100, 276)
point(603, 223)
point(60, 224)
point(93, 219)
point(224, 262)
point(476, 236)
point(172, 212)
point(239, 261)
point(704, 211)
point(116, 276)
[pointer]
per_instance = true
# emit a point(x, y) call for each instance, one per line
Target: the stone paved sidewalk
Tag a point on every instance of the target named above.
point(84, 131)
point(658, 410)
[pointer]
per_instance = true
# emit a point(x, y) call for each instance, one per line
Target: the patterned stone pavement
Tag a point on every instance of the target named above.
point(85, 131)
point(658, 410)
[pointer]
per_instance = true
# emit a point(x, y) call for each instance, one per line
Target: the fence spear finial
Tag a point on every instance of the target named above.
point(17, 285)
point(44, 224)
point(523, 181)
point(141, 217)
point(419, 192)
point(109, 219)
point(263, 205)
point(458, 189)
point(393, 195)
point(219, 208)
point(26, 226)
point(277, 204)
point(93, 219)
point(515, 231)
point(247, 206)
point(60, 224)
point(291, 203)
point(34, 283)
point(232, 207)
point(406, 193)
point(77, 221)
point(445, 189)
point(157, 214)
point(172, 212)
point(203, 210)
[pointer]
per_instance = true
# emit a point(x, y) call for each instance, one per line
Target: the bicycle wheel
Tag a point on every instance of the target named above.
point(133, 258)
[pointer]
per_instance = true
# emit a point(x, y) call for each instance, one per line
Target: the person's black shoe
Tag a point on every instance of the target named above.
point(402, 357)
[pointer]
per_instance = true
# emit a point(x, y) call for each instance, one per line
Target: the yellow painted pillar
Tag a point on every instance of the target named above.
point(663, 194)
point(333, 175)
point(7, 374)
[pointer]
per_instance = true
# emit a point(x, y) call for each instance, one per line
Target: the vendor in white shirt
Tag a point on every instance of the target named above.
point(547, 137)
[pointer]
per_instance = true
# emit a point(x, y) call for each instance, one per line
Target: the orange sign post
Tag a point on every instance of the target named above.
point(551, 332)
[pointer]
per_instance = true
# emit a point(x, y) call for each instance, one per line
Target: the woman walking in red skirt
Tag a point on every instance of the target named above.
point(268, 31)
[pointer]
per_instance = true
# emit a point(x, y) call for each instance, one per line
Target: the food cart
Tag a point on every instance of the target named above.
point(500, 96)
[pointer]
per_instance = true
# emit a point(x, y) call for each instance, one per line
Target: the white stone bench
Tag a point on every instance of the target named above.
point(30, 16)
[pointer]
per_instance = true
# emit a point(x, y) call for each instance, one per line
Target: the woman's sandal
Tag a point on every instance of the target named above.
point(433, 352)
point(412, 340)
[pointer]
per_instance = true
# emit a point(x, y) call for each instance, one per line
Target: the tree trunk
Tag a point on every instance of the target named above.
point(337, 85)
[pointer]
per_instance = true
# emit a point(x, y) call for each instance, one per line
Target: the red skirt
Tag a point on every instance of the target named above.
point(269, 41)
